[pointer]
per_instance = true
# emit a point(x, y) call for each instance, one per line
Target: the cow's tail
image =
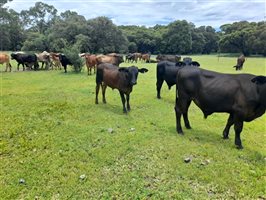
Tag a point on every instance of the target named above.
point(99, 76)
point(160, 71)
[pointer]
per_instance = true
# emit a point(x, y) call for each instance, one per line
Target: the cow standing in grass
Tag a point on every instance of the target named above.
point(166, 71)
point(240, 62)
point(25, 59)
point(243, 96)
point(4, 58)
point(91, 62)
point(121, 78)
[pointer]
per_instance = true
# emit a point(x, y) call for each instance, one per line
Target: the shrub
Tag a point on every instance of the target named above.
point(72, 53)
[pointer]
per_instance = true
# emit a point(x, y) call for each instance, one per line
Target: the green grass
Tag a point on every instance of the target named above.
point(52, 132)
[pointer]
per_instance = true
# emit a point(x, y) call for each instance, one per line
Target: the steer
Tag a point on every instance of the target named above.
point(235, 94)
point(4, 58)
point(64, 61)
point(25, 59)
point(166, 71)
point(121, 78)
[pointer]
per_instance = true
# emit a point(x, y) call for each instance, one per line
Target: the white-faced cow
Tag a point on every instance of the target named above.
point(166, 71)
point(243, 96)
point(121, 78)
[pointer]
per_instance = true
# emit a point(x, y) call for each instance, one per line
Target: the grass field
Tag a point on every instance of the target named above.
point(52, 133)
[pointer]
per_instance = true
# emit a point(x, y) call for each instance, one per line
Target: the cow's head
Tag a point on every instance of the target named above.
point(119, 59)
point(261, 83)
point(192, 63)
point(132, 73)
point(13, 56)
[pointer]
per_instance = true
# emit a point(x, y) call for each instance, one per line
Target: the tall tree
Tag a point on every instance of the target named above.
point(37, 18)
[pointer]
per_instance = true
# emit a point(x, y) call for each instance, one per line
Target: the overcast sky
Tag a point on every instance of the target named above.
point(150, 12)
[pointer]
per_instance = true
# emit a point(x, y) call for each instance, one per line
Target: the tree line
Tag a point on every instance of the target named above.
point(41, 28)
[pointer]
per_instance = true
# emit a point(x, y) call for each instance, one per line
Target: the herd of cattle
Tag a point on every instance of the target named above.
point(242, 96)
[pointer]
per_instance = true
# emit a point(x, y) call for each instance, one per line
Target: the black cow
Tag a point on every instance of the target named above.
point(216, 92)
point(131, 57)
point(121, 78)
point(166, 71)
point(171, 58)
point(64, 61)
point(25, 59)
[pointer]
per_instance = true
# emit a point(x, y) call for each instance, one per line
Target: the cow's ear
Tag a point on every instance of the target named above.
point(123, 69)
point(143, 70)
point(195, 63)
point(259, 79)
point(180, 63)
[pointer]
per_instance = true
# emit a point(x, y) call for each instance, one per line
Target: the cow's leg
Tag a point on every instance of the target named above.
point(238, 128)
point(94, 68)
point(7, 65)
point(123, 101)
point(104, 86)
point(23, 66)
point(10, 67)
point(185, 114)
point(229, 123)
point(128, 106)
point(65, 68)
point(159, 84)
point(97, 92)
point(88, 70)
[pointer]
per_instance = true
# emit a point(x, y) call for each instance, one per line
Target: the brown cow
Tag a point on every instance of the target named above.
point(146, 57)
point(4, 58)
point(115, 60)
point(138, 56)
point(121, 78)
point(55, 61)
point(91, 62)
point(240, 61)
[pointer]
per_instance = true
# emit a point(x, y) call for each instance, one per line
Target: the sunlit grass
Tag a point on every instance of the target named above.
point(52, 132)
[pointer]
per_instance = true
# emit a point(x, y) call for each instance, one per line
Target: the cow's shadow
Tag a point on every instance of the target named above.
point(112, 108)
point(210, 138)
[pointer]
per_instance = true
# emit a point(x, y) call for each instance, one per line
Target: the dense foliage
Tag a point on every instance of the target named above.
point(42, 28)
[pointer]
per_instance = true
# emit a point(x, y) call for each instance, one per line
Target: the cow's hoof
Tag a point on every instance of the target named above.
point(225, 137)
point(239, 147)
point(188, 127)
point(96, 102)
point(104, 102)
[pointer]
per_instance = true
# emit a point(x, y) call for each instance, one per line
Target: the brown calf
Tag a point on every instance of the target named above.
point(91, 62)
point(145, 57)
point(4, 58)
point(121, 78)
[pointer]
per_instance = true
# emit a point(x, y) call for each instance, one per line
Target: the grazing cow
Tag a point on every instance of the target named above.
point(171, 58)
point(115, 60)
point(64, 61)
point(121, 78)
point(146, 57)
point(240, 62)
point(44, 58)
point(166, 71)
point(4, 58)
point(55, 61)
point(131, 57)
point(25, 59)
point(91, 62)
point(217, 92)
point(138, 56)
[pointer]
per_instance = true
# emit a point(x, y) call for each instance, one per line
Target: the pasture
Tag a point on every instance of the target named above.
point(56, 139)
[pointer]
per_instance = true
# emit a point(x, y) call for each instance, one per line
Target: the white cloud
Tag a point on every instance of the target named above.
point(151, 12)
